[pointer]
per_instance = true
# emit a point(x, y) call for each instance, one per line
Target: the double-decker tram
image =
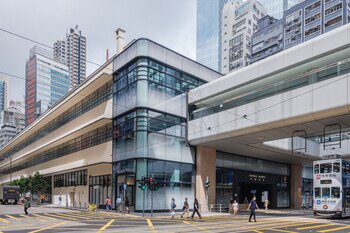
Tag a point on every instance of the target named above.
point(332, 187)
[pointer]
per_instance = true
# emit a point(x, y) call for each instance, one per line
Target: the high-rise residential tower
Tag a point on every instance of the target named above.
point(11, 121)
point(47, 81)
point(4, 91)
point(239, 21)
point(72, 52)
point(209, 15)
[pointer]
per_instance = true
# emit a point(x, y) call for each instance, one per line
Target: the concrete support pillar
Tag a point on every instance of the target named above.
point(296, 185)
point(205, 167)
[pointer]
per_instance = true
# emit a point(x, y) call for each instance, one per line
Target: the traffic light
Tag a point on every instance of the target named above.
point(156, 186)
point(143, 183)
point(207, 183)
point(150, 183)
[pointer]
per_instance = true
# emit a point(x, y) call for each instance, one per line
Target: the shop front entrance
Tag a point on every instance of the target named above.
point(126, 180)
point(242, 186)
point(262, 192)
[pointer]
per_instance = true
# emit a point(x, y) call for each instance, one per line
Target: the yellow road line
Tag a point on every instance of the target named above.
point(43, 216)
point(67, 215)
point(12, 217)
point(200, 228)
point(61, 217)
point(150, 225)
point(105, 226)
point(278, 230)
point(336, 229)
point(26, 216)
point(49, 227)
point(294, 224)
point(264, 225)
point(4, 221)
point(317, 226)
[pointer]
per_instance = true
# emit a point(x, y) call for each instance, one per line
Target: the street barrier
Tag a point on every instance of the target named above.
point(92, 207)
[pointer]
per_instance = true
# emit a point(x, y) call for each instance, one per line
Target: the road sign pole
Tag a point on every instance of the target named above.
point(124, 190)
point(152, 204)
point(143, 208)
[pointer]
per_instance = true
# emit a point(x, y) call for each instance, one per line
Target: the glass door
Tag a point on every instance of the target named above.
point(129, 180)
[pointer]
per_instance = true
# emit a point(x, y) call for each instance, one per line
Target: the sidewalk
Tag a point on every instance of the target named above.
point(270, 212)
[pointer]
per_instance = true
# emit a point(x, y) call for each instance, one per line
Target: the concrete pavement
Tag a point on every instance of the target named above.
point(43, 219)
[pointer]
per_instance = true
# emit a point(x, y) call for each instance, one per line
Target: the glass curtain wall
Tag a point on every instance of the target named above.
point(150, 125)
point(176, 181)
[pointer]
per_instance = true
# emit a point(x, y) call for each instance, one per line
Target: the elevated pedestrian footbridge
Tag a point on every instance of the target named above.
point(300, 93)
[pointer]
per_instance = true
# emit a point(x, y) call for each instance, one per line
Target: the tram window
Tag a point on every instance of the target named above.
point(317, 192)
point(336, 167)
point(326, 168)
point(346, 168)
point(317, 169)
point(335, 192)
point(326, 192)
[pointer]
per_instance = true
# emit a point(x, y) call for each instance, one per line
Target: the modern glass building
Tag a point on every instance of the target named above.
point(2, 95)
point(209, 17)
point(4, 92)
point(149, 122)
point(47, 81)
point(275, 8)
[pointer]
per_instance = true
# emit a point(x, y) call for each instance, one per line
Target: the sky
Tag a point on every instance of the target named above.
point(171, 23)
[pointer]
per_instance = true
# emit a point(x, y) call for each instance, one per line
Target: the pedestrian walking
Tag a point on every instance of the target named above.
point(196, 209)
point(60, 200)
point(108, 204)
point(127, 204)
point(266, 204)
point(26, 206)
point(42, 197)
point(252, 207)
point(185, 208)
point(230, 206)
point(235, 208)
point(172, 208)
point(118, 204)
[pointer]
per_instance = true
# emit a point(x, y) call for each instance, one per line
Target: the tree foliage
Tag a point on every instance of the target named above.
point(36, 184)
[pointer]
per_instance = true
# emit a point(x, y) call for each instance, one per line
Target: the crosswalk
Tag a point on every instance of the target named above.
point(44, 217)
point(111, 220)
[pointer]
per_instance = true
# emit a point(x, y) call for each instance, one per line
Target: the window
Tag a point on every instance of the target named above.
point(313, 18)
point(312, 30)
point(317, 192)
point(336, 167)
point(333, 21)
point(76, 144)
point(293, 17)
point(346, 168)
point(76, 178)
point(326, 192)
point(326, 168)
point(313, 6)
point(335, 192)
point(334, 9)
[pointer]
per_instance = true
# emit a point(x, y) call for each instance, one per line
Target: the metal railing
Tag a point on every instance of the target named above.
point(220, 208)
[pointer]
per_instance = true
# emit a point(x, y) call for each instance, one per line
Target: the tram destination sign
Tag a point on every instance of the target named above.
point(335, 156)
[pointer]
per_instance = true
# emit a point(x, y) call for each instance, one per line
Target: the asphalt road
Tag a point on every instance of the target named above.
point(62, 220)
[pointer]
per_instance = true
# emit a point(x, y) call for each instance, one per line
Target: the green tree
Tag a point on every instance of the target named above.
point(38, 183)
point(23, 183)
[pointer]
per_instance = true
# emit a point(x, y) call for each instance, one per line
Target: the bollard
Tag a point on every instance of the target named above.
point(220, 208)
